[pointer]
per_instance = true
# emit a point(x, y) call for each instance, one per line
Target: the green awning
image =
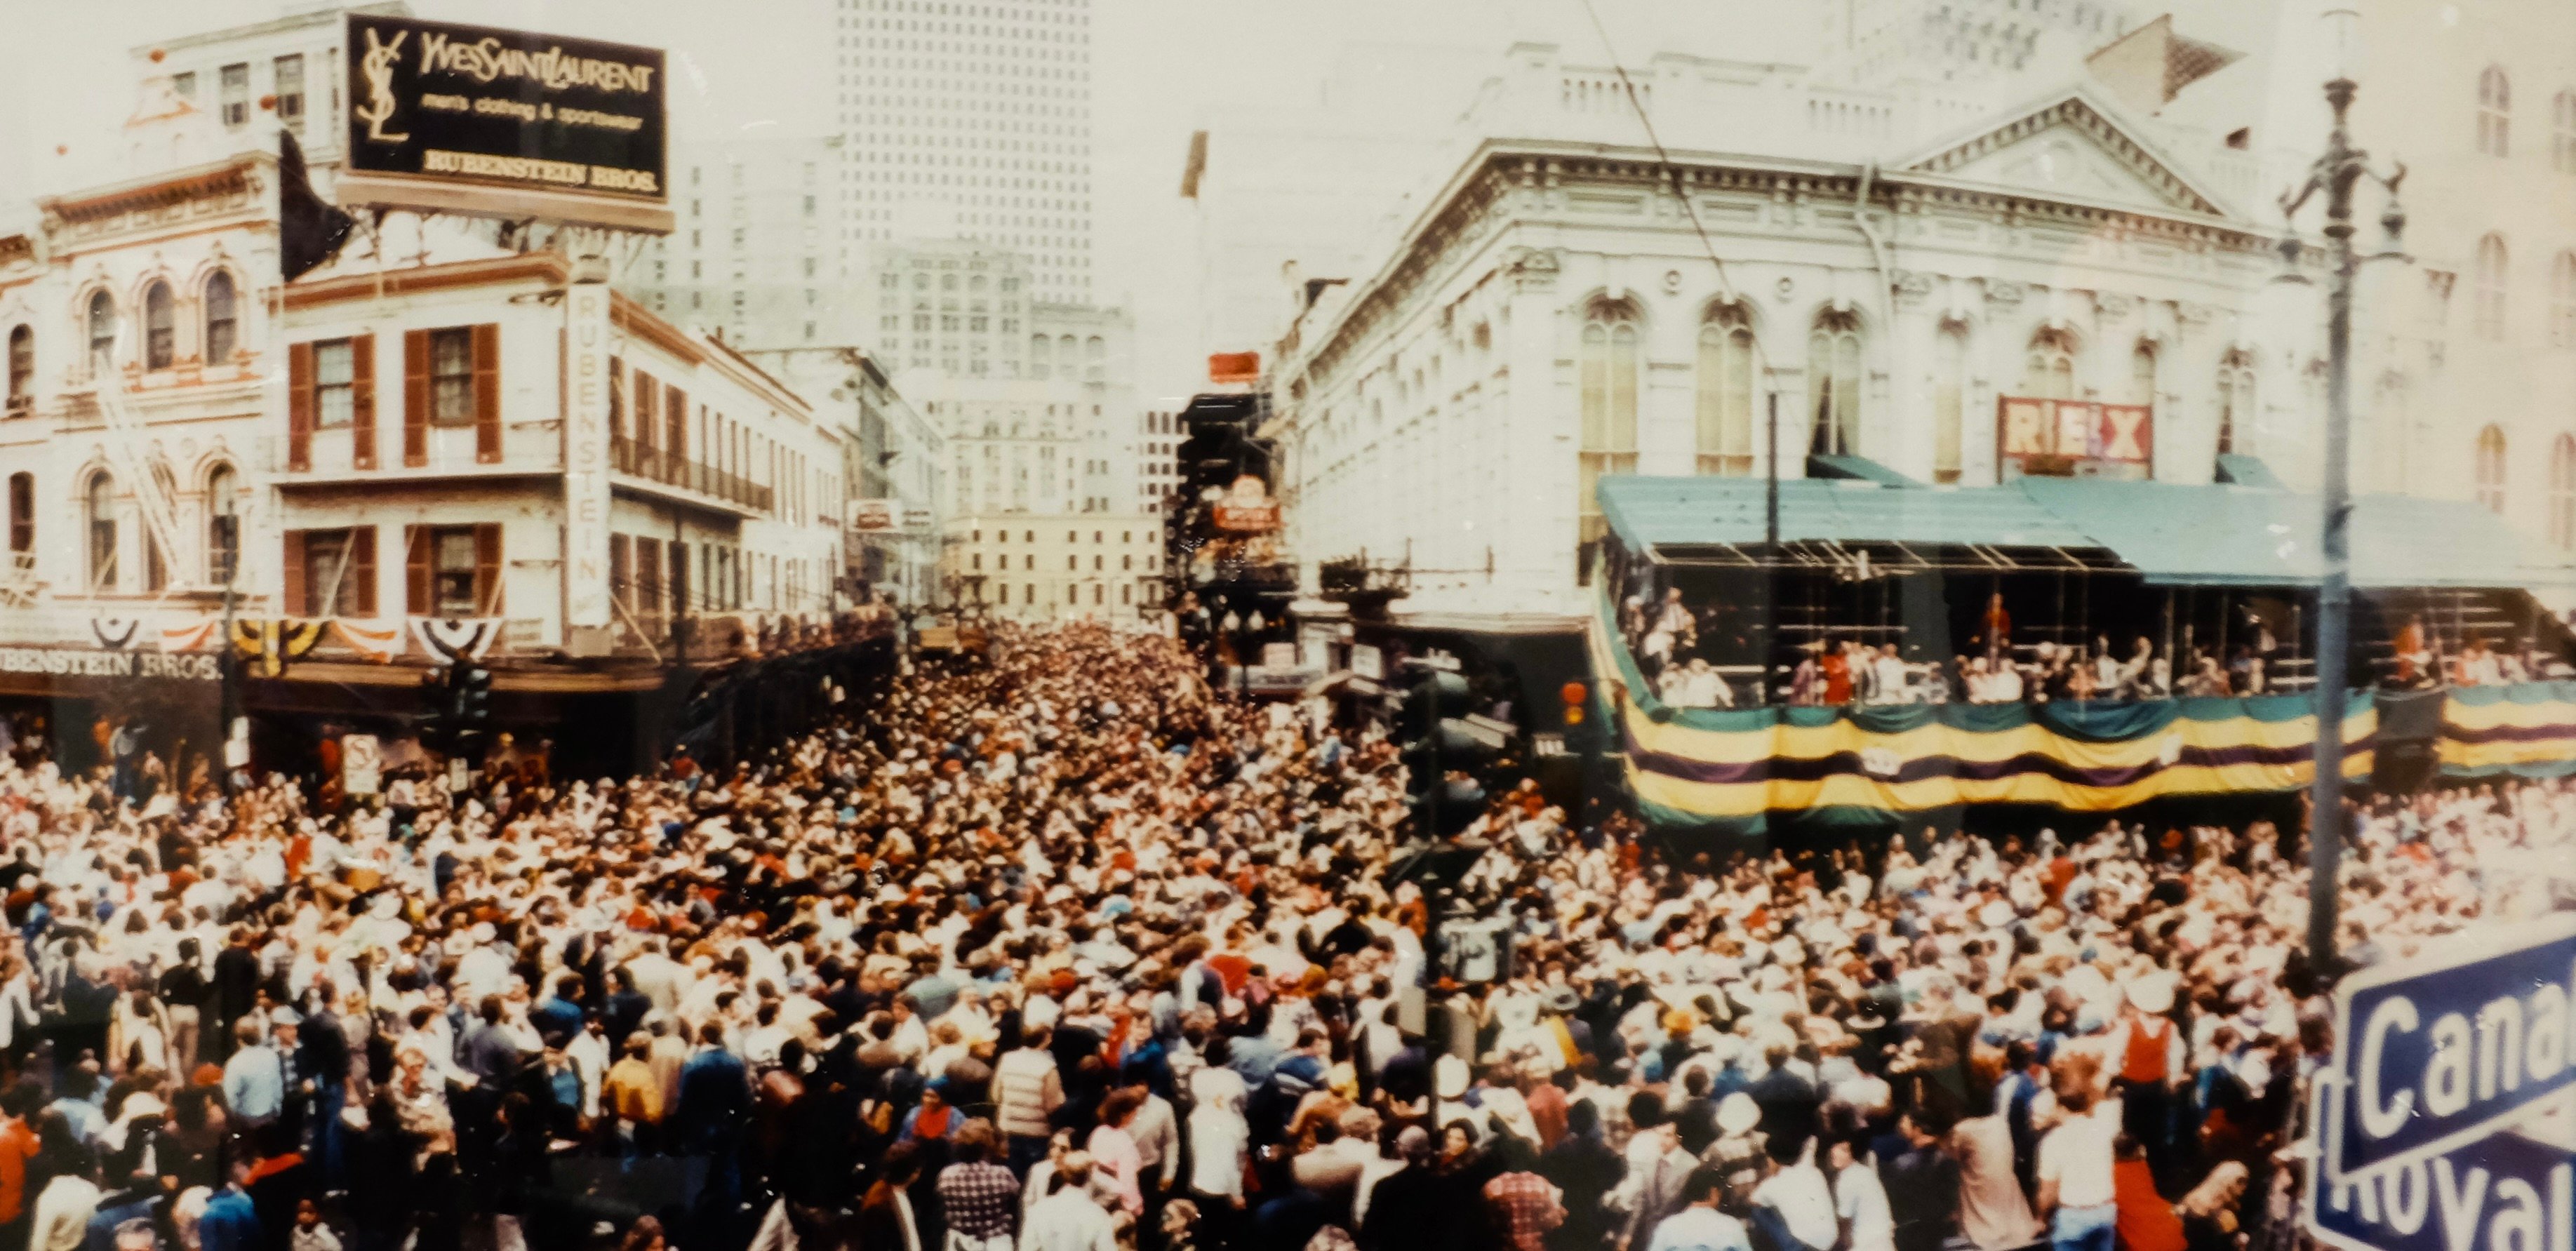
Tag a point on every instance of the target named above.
point(2221, 535)
point(1651, 513)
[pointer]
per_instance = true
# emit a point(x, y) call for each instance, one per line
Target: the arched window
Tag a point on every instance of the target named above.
point(1949, 401)
point(2495, 112)
point(1726, 393)
point(2142, 374)
point(22, 368)
point(2051, 371)
point(223, 322)
point(223, 525)
point(2487, 314)
point(102, 532)
point(22, 515)
point(1609, 380)
point(2237, 411)
point(2562, 302)
point(160, 327)
point(102, 325)
point(156, 563)
point(2564, 149)
point(1098, 352)
point(1041, 354)
point(1833, 385)
point(2491, 468)
point(2562, 492)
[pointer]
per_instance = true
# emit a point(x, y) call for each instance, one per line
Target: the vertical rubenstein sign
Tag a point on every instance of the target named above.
point(585, 564)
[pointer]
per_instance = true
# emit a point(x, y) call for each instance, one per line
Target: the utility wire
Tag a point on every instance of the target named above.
point(1662, 157)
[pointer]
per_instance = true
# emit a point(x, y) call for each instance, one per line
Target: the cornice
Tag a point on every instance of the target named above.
point(368, 285)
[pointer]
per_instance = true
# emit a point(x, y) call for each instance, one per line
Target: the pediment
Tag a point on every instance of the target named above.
point(2076, 147)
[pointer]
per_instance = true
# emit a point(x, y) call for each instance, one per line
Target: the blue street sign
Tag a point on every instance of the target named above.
point(2504, 1192)
point(2439, 1052)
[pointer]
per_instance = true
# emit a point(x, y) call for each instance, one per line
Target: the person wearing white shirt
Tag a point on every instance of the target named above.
point(2076, 1195)
point(1861, 1202)
point(1797, 1204)
point(1700, 1226)
point(1068, 1220)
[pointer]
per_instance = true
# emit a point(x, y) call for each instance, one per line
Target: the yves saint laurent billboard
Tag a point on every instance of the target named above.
point(472, 119)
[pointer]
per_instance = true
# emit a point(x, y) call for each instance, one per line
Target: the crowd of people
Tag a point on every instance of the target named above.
point(1056, 950)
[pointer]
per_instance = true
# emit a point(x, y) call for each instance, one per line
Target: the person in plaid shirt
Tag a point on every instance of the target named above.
point(1523, 1204)
point(979, 1196)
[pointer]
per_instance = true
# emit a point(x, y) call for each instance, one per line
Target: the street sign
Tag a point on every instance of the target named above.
point(2504, 1192)
point(362, 764)
point(2438, 1052)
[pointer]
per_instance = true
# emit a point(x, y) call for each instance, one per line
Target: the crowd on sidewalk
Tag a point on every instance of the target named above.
point(1057, 951)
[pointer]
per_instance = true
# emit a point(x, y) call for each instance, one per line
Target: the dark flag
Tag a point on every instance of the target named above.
point(310, 231)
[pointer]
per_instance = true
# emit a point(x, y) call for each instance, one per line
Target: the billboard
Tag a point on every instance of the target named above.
point(472, 119)
point(872, 516)
point(1247, 508)
point(2074, 438)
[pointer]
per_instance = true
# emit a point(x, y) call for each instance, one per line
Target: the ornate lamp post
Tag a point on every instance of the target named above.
point(2337, 171)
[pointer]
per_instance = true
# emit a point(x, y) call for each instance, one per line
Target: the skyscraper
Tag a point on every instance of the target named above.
point(971, 120)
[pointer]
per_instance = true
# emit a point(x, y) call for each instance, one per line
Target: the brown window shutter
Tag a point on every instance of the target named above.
point(299, 406)
point(621, 554)
point(296, 604)
point(617, 398)
point(416, 571)
point(487, 392)
point(648, 410)
point(415, 398)
point(675, 419)
point(679, 577)
point(362, 401)
point(362, 566)
point(487, 568)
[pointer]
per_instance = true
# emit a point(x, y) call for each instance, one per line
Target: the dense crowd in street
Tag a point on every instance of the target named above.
point(1057, 951)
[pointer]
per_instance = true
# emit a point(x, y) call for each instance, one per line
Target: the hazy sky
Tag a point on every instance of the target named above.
point(67, 80)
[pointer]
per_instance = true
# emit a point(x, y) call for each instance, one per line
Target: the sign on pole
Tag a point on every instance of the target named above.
point(2442, 1051)
point(362, 764)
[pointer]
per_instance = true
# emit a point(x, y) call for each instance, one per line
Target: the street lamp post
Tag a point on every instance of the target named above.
point(2337, 171)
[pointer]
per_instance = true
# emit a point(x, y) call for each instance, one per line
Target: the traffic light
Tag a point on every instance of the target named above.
point(1436, 743)
point(460, 710)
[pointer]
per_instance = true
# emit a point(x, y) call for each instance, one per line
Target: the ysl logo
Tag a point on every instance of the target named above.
point(379, 69)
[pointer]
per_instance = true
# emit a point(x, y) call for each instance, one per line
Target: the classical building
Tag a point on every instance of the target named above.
point(432, 443)
point(897, 462)
point(1041, 567)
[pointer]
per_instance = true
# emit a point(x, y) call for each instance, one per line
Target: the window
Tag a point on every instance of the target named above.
point(102, 533)
point(160, 327)
point(1726, 393)
point(2562, 492)
point(337, 567)
point(451, 376)
point(2142, 374)
point(236, 98)
point(1833, 385)
point(2491, 469)
point(22, 512)
point(2563, 151)
point(102, 325)
point(2562, 302)
point(1609, 397)
point(452, 588)
point(222, 321)
point(185, 85)
point(2487, 315)
point(2495, 112)
point(1949, 384)
point(2236, 410)
point(223, 525)
point(334, 391)
point(22, 368)
point(290, 90)
point(2051, 371)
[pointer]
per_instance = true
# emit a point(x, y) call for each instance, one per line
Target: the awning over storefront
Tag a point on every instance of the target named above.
point(2223, 535)
point(2170, 533)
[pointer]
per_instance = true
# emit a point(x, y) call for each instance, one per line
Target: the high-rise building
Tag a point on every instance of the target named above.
point(973, 120)
point(756, 249)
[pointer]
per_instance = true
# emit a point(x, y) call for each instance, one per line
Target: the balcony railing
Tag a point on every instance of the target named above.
point(672, 469)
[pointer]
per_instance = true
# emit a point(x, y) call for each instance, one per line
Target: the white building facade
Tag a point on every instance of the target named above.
point(1055, 567)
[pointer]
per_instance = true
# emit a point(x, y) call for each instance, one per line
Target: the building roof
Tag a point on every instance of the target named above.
point(2254, 536)
point(2169, 533)
point(1687, 512)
